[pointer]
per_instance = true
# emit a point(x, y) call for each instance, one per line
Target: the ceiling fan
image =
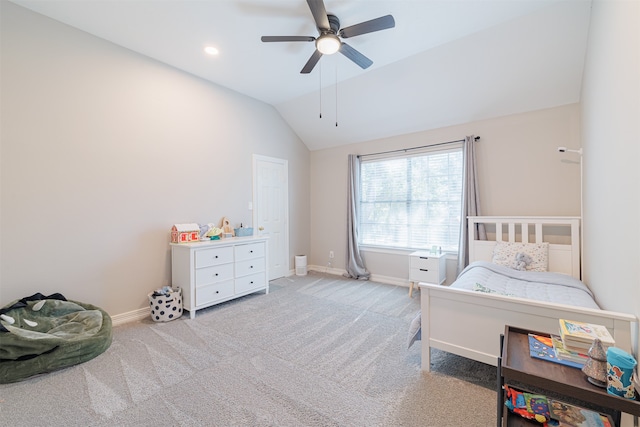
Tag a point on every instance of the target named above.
point(329, 41)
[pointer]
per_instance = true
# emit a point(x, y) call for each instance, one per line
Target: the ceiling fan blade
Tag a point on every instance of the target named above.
point(319, 13)
point(355, 56)
point(287, 38)
point(311, 62)
point(371, 26)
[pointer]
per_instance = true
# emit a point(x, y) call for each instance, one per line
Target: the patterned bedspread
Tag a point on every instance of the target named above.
point(482, 276)
point(539, 286)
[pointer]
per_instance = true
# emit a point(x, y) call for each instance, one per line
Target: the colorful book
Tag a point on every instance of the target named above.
point(541, 347)
point(564, 354)
point(576, 333)
point(569, 415)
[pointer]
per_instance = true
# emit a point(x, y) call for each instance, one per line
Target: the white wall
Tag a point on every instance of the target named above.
point(519, 169)
point(611, 129)
point(102, 150)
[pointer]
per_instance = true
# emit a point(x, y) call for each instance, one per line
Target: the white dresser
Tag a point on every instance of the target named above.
point(214, 271)
point(425, 266)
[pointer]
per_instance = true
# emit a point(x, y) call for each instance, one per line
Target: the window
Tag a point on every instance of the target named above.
point(411, 201)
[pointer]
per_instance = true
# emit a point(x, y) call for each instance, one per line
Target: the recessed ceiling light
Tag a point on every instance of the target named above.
point(211, 50)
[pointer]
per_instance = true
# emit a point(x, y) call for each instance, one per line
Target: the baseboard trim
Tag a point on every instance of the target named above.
point(389, 280)
point(141, 313)
point(130, 316)
point(374, 277)
point(328, 270)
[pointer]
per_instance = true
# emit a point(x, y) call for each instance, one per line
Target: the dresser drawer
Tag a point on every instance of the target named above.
point(250, 266)
point(249, 251)
point(214, 256)
point(250, 283)
point(215, 274)
point(213, 293)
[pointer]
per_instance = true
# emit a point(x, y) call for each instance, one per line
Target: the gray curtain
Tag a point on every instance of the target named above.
point(470, 201)
point(355, 264)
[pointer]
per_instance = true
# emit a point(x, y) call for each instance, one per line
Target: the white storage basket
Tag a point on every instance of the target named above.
point(166, 307)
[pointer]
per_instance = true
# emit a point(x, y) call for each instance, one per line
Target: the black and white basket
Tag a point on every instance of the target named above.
point(166, 307)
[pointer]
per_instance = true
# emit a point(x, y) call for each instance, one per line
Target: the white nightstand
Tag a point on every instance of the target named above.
point(425, 266)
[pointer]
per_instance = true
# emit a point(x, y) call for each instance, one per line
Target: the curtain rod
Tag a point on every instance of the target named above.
point(416, 148)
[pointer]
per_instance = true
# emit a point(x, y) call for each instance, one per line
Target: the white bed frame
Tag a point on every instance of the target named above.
point(469, 323)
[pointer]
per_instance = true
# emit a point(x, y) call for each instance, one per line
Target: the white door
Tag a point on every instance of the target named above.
point(271, 210)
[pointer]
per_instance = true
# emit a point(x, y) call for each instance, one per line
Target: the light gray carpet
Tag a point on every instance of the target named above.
point(318, 350)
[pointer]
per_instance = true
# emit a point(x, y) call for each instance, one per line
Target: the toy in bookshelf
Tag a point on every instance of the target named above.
point(568, 415)
point(527, 405)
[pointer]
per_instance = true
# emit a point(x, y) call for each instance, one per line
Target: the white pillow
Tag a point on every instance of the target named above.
point(504, 253)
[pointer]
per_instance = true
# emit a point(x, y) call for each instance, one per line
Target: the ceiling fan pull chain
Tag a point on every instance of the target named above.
point(336, 95)
point(320, 79)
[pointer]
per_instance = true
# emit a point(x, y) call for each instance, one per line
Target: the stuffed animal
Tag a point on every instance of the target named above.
point(522, 261)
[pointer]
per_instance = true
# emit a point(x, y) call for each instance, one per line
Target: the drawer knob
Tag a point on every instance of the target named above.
point(216, 274)
point(216, 256)
point(251, 283)
point(250, 252)
point(251, 266)
point(217, 292)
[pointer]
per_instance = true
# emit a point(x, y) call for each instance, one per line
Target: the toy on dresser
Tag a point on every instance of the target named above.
point(185, 233)
point(227, 229)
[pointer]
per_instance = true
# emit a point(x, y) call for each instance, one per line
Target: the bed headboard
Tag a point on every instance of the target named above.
point(562, 234)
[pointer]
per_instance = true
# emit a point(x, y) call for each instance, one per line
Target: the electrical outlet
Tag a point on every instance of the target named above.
point(331, 254)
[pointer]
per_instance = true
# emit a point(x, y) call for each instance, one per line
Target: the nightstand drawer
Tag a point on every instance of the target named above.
point(425, 262)
point(424, 275)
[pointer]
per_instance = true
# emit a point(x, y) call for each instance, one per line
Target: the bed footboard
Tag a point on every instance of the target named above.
point(469, 323)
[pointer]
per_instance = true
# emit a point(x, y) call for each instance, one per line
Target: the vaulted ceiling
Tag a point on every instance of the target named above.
point(444, 63)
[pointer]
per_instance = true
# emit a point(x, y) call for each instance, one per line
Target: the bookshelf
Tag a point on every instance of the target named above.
point(516, 366)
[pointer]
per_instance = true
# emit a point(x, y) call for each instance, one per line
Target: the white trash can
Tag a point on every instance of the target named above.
point(301, 265)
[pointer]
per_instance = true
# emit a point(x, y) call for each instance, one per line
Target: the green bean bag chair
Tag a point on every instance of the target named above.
point(42, 334)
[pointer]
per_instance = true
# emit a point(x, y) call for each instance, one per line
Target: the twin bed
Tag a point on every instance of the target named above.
point(468, 317)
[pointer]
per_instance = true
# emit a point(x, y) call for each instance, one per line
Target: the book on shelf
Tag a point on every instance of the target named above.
point(578, 336)
point(568, 415)
point(563, 353)
point(541, 347)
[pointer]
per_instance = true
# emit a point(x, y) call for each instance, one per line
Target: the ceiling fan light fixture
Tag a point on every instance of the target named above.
point(328, 44)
